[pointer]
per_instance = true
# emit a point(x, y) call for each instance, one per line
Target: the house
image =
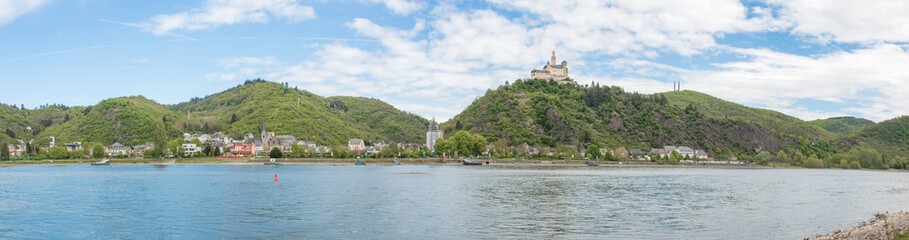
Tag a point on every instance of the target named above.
point(686, 152)
point(667, 150)
point(604, 152)
point(117, 149)
point(700, 154)
point(636, 154)
point(73, 146)
point(356, 145)
point(242, 150)
point(204, 138)
point(307, 144)
point(372, 150)
point(191, 148)
point(141, 148)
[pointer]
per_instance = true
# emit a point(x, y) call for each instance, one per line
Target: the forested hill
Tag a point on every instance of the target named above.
point(721, 109)
point(236, 111)
point(889, 137)
point(544, 113)
point(842, 126)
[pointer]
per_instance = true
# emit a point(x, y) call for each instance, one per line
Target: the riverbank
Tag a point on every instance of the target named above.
point(370, 161)
point(884, 226)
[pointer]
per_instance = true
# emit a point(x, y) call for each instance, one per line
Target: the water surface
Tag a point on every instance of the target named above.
point(441, 202)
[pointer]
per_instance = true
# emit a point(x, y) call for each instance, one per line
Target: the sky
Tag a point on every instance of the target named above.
point(811, 59)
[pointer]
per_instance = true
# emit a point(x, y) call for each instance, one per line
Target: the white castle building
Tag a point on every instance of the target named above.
point(559, 73)
point(433, 135)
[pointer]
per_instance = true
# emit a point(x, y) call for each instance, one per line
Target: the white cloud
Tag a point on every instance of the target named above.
point(216, 13)
point(873, 80)
point(400, 7)
point(848, 21)
point(12, 9)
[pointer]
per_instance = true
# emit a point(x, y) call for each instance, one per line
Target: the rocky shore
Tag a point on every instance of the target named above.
point(884, 226)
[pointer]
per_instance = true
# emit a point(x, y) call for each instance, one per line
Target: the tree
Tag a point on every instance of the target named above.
point(275, 153)
point(763, 157)
point(150, 153)
point(4, 151)
point(593, 151)
point(207, 150)
point(216, 152)
point(798, 158)
point(98, 151)
point(233, 117)
point(58, 152)
point(77, 154)
point(813, 162)
point(462, 143)
point(10, 133)
point(868, 158)
point(621, 153)
point(782, 156)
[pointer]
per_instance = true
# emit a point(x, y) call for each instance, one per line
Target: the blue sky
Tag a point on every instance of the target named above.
point(810, 59)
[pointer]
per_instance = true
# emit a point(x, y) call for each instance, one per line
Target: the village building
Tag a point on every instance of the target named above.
point(191, 148)
point(117, 149)
point(73, 146)
point(241, 150)
point(553, 71)
point(356, 145)
point(433, 135)
point(686, 152)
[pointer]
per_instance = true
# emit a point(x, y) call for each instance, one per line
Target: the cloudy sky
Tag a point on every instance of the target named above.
point(807, 58)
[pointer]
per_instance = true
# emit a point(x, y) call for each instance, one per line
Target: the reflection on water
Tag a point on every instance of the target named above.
point(450, 202)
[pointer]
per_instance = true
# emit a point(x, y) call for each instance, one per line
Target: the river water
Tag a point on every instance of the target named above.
point(438, 202)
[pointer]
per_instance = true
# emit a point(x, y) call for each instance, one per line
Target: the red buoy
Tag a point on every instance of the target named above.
point(276, 177)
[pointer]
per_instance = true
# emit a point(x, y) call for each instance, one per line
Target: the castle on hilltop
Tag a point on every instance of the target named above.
point(559, 73)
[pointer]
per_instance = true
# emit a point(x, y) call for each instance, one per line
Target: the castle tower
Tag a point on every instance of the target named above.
point(553, 58)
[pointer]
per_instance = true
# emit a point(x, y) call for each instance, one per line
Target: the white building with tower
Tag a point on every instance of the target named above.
point(433, 135)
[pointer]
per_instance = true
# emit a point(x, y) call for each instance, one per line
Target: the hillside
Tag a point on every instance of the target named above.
point(888, 137)
point(543, 113)
point(386, 120)
point(128, 120)
point(13, 122)
point(842, 126)
point(720, 109)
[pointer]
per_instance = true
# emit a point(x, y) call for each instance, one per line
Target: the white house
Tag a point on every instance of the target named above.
point(191, 148)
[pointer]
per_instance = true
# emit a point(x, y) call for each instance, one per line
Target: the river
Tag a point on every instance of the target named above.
point(438, 202)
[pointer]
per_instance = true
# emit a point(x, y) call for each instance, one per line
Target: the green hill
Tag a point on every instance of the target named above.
point(128, 120)
point(888, 137)
point(842, 126)
point(290, 111)
point(387, 121)
point(539, 112)
point(721, 109)
point(13, 123)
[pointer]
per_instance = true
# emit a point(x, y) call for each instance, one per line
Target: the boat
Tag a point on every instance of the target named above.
point(359, 163)
point(471, 162)
point(104, 162)
point(592, 164)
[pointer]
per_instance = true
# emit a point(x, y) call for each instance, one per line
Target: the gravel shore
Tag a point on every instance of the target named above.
point(884, 226)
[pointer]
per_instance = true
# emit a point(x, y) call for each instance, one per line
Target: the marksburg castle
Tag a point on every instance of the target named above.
point(559, 73)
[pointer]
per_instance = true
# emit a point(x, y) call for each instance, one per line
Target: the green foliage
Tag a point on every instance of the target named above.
point(151, 153)
point(58, 152)
point(813, 162)
point(461, 143)
point(4, 151)
point(217, 152)
point(842, 126)
point(129, 120)
point(782, 157)
point(593, 151)
point(386, 121)
point(763, 157)
point(275, 153)
point(868, 158)
point(98, 151)
point(720, 109)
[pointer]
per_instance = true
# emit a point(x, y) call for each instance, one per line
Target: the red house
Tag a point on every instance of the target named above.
point(242, 150)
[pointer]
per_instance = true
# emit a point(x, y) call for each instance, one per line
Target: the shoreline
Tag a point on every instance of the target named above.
point(884, 226)
point(379, 161)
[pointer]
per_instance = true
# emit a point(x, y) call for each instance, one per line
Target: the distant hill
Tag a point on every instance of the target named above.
point(128, 120)
point(842, 126)
point(721, 109)
point(539, 112)
point(888, 137)
point(386, 120)
point(235, 111)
